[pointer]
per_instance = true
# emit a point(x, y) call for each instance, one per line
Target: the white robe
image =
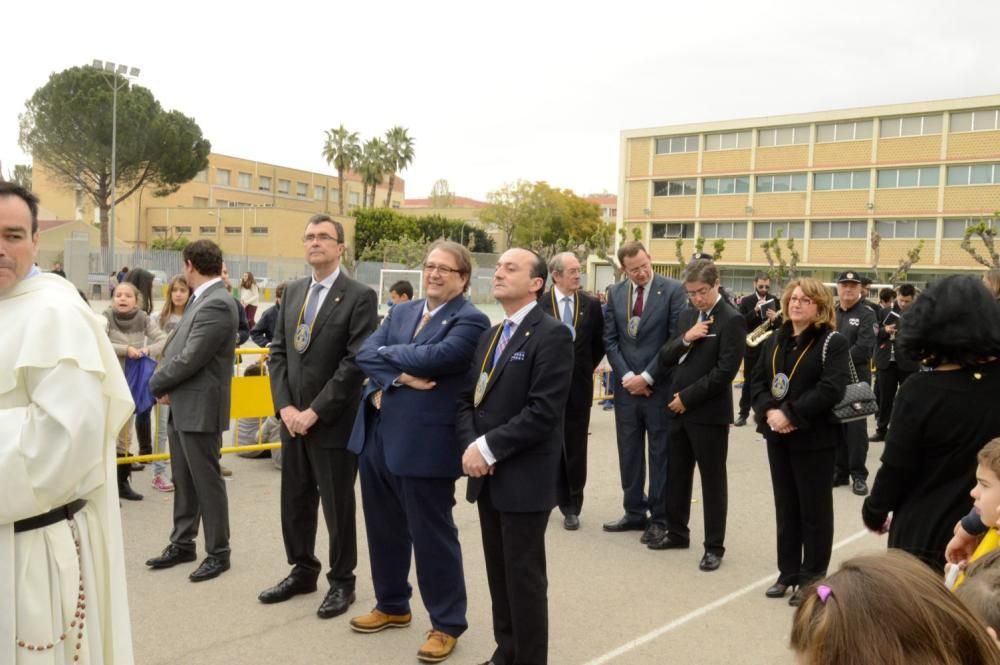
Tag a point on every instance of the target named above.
point(63, 399)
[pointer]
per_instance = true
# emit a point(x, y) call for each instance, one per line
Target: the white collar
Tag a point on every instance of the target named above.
point(517, 318)
point(327, 281)
point(560, 295)
point(437, 309)
point(204, 287)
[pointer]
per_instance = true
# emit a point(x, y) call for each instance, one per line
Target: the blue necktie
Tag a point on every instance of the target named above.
point(508, 329)
point(313, 304)
point(567, 315)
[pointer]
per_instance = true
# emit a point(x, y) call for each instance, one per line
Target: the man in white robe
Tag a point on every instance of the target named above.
point(63, 399)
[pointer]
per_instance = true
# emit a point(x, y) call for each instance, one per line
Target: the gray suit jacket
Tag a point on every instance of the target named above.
point(196, 369)
point(663, 301)
point(325, 377)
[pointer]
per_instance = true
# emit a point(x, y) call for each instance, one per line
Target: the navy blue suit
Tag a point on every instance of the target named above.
point(410, 456)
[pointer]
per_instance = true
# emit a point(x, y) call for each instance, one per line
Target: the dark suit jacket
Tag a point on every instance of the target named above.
point(664, 300)
point(753, 315)
point(857, 324)
point(521, 414)
point(704, 380)
point(884, 342)
point(325, 377)
point(588, 347)
point(418, 426)
point(196, 368)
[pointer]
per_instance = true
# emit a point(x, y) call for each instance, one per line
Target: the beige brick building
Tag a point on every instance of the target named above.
point(920, 171)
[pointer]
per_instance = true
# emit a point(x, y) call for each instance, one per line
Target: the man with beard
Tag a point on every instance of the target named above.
point(756, 309)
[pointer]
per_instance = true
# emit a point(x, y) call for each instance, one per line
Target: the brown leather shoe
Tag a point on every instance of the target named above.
point(377, 620)
point(437, 647)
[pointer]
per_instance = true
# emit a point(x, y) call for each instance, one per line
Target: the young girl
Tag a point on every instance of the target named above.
point(133, 335)
point(249, 296)
point(167, 319)
point(889, 609)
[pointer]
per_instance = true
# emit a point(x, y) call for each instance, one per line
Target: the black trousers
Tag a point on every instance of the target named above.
point(311, 475)
point(573, 470)
point(889, 381)
point(852, 451)
point(514, 545)
point(749, 361)
point(803, 507)
point(637, 418)
point(708, 446)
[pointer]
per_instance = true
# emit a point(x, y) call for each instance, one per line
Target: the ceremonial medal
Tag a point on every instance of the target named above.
point(481, 384)
point(303, 335)
point(779, 386)
point(633, 326)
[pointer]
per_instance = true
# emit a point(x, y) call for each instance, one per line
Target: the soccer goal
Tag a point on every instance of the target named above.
point(389, 276)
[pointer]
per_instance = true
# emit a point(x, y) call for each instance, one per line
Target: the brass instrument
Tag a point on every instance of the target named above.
point(757, 336)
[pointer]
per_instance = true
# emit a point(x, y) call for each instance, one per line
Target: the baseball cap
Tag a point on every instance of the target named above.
point(848, 276)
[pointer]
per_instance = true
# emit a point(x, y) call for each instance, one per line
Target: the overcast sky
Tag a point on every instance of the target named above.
point(493, 92)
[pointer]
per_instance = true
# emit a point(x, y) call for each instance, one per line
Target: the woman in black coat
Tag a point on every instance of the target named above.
point(940, 419)
point(793, 391)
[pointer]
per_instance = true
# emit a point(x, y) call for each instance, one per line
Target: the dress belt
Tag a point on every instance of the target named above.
point(52, 517)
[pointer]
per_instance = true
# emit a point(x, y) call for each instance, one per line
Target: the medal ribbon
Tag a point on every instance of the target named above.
point(576, 307)
point(774, 359)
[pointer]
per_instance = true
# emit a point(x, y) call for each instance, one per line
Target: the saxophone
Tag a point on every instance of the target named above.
point(757, 336)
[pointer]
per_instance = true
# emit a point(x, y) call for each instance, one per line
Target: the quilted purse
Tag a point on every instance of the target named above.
point(858, 401)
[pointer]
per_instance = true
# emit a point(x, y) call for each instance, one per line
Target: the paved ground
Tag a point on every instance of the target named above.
point(610, 598)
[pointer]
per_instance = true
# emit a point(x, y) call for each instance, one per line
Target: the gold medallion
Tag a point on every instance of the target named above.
point(779, 386)
point(303, 335)
point(633, 326)
point(481, 384)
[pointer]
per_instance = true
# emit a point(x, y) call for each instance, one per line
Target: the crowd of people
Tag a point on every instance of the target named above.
point(433, 392)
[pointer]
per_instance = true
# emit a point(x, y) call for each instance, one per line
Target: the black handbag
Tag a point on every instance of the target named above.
point(858, 401)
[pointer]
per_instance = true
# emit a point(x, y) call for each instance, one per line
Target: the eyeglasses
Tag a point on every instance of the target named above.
point(700, 293)
point(804, 301)
point(444, 271)
point(322, 237)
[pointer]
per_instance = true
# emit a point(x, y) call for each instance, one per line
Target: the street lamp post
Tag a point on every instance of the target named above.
point(126, 74)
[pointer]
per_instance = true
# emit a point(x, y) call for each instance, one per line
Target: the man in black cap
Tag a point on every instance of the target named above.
point(856, 322)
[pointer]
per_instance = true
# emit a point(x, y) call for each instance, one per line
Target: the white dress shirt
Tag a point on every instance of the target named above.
point(628, 315)
point(327, 283)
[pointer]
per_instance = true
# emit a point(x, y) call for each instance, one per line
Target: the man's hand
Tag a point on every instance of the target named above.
point(771, 314)
point(961, 546)
point(133, 353)
point(304, 420)
point(676, 405)
point(636, 385)
point(698, 331)
point(416, 382)
point(289, 414)
point(891, 328)
point(779, 422)
point(165, 400)
point(474, 464)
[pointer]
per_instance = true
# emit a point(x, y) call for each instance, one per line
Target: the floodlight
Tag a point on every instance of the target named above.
point(97, 64)
point(109, 66)
point(134, 72)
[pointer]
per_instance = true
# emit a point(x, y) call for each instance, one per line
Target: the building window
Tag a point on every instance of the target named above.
point(906, 228)
point(232, 230)
point(181, 230)
point(264, 183)
point(222, 177)
point(839, 229)
point(923, 177)
point(670, 144)
point(912, 125)
point(284, 185)
point(734, 185)
point(221, 203)
point(245, 180)
point(200, 202)
point(673, 230)
point(974, 174)
point(783, 136)
point(768, 230)
point(857, 130)
point(789, 182)
point(733, 230)
point(353, 198)
point(301, 189)
point(728, 140)
point(206, 230)
point(975, 121)
point(841, 180)
point(675, 187)
point(955, 228)
point(201, 176)
point(258, 230)
point(335, 195)
point(159, 229)
point(320, 193)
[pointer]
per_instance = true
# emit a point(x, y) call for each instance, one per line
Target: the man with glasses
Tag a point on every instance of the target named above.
point(641, 316)
point(410, 455)
point(756, 309)
point(316, 386)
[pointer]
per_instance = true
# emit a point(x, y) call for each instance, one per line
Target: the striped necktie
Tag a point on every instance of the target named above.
point(508, 330)
point(423, 322)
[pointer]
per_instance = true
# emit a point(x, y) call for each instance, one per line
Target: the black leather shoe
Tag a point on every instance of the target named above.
point(172, 556)
point(665, 542)
point(285, 589)
point(778, 590)
point(653, 533)
point(710, 562)
point(126, 492)
point(860, 487)
point(626, 523)
point(796, 598)
point(210, 568)
point(571, 522)
point(337, 600)
point(741, 421)
point(877, 436)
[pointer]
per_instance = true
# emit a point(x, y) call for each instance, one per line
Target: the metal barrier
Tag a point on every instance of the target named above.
point(602, 385)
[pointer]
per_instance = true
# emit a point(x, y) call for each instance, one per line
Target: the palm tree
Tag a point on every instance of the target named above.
point(343, 152)
point(373, 167)
point(400, 153)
